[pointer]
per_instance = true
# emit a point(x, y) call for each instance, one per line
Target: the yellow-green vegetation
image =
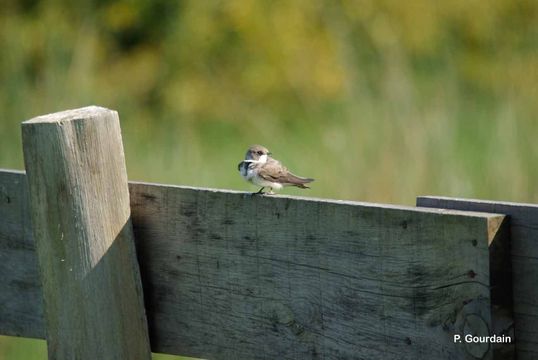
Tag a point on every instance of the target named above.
point(378, 100)
point(29, 349)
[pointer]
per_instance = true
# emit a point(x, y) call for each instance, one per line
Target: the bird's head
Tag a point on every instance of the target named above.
point(257, 153)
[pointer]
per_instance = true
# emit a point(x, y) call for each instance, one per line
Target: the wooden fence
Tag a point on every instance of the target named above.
point(226, 275)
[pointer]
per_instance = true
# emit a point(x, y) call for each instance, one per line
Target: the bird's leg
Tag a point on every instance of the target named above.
point(259, 191)
point(271, 192)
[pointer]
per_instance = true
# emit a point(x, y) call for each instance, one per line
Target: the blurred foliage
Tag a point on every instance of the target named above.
point(377, 100)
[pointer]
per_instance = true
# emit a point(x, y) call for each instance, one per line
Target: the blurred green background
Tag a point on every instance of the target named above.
point(378, 100)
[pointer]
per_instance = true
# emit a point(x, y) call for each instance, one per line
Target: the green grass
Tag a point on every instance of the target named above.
point(22, 348)
point(32, 349)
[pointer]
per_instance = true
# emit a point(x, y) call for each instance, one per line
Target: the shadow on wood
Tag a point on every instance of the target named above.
point(523, 264)
point(232, 276)
point(79, 203)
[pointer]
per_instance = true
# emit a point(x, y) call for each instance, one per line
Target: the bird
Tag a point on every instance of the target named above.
point(261, 169)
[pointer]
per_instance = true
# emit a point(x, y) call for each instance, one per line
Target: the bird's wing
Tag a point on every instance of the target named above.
point(274, 171)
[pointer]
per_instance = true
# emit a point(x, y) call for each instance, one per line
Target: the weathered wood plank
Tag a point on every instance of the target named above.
point(524, 258)
point(232, 276)
point(79, 202)
point(21, 309)
point(276, 277)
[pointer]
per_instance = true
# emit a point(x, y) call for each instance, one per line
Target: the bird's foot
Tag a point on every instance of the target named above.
point(260, 192)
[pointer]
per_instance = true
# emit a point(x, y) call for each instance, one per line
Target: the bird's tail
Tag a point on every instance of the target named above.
point(298, 181)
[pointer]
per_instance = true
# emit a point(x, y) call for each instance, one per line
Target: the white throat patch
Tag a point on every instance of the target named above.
point(263, 159)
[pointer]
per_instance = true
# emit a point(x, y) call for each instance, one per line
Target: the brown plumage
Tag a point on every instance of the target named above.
point(274, 171)
point(261, 169)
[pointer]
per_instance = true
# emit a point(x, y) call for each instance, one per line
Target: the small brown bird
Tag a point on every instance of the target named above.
point(261, 169)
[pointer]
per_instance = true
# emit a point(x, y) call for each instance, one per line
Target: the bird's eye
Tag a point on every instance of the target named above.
point(260, 152)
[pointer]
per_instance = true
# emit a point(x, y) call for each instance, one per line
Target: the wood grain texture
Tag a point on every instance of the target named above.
point(21, 308)
point(236, 276)
point(80, 211)
point(524, 259)
point(230, 276)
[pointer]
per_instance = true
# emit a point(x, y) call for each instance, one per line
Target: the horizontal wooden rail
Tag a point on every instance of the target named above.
point(228, 275)
point(523, 260)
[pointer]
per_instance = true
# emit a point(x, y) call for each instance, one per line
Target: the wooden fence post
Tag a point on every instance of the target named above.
point(79, 198)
